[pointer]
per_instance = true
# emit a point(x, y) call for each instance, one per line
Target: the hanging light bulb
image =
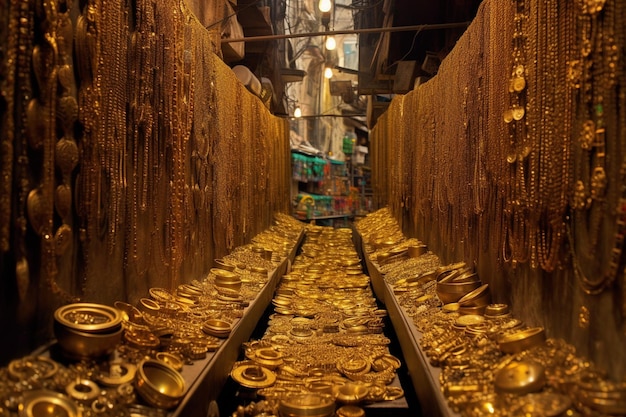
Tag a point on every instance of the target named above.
point(324, 6)
point(328, 73)
point(331, 43)
point(297, 112)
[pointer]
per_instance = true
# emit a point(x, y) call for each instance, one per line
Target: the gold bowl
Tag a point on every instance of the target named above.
point(159, 384)
point(216, 327)
point(89, 317)
point(350, 392)
point(46, 403)
point(77, 344)
point(452, 292)
point(226, 279)
point(417, 250)
point(477, 310)
point(310, 404)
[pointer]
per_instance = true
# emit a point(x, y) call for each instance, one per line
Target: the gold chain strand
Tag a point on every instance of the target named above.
point(7, 93)
point(22, 180)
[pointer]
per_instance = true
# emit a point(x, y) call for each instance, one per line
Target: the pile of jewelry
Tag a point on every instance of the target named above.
point(491, 362)
point(324, 347)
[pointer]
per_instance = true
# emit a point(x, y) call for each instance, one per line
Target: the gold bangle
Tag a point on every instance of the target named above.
point(83, 390)
point(30, 366)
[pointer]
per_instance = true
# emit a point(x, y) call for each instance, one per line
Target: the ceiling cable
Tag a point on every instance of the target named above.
point(434, 26)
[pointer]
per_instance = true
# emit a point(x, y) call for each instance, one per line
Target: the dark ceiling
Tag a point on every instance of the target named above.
point(402, 55)
point(414, 53)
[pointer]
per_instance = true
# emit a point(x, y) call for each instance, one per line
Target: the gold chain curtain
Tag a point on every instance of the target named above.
point(513, 159)
point(131, 156)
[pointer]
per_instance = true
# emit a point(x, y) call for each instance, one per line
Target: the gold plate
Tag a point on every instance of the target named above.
point(253, 376)
point(520, 378)
point(44, 403)
point(468, 320)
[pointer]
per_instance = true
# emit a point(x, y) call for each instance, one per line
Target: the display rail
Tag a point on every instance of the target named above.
point(205, 378)
point(424, 376)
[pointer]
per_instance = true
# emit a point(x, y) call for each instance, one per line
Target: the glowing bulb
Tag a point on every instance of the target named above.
point(297, 112)
point(328, 72)
point(331, 43)
point(325, 6)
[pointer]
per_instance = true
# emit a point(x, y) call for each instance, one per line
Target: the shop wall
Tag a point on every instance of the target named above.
point(512, 160)
point(131, 157)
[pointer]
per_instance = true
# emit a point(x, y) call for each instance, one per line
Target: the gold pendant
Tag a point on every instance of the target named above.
point(518, 113)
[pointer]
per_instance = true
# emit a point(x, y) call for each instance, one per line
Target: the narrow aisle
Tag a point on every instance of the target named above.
point(324, 346)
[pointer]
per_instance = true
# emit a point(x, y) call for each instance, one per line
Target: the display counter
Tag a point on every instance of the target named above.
point(205, 378)
point(424, 376)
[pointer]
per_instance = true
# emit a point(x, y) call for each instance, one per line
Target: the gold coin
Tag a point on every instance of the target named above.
point(518, 113)
point(519, 84)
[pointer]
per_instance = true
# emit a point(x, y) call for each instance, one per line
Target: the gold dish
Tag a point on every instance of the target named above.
point(45, 403)
point(159, 384)
point(520, 378)
point(253, 376)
